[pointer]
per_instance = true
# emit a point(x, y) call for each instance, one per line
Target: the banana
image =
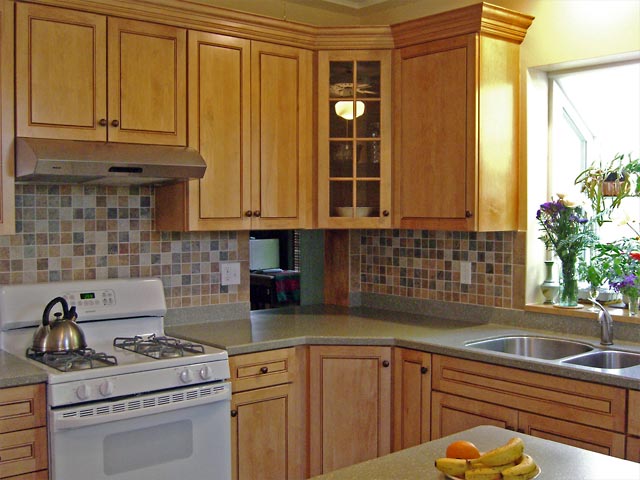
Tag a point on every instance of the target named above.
point(485, 473)
point(507, 453)
point(526, 465)
point(496, 468)
point(452, 466)
point(524, 476)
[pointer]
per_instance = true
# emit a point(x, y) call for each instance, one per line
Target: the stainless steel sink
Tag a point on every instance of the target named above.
point(531, 346)
point(606, 360)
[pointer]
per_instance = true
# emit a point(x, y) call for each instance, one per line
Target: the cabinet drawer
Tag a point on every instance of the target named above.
point(23, 452)
point(572, 400)
point(263, 369)
point(634, 413)
point(22, 408)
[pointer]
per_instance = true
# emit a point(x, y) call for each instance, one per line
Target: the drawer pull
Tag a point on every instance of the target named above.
point(234, 413)
point(264, 369)
point(424, 370)
point(385, 363)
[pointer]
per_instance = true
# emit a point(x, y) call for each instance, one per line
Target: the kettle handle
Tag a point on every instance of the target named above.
point(50, 305)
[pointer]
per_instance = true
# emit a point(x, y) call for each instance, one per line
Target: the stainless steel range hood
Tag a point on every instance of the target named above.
point(40, 160)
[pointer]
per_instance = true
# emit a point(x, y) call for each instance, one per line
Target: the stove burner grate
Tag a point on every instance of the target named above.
point(71, 360)
point(157, 347)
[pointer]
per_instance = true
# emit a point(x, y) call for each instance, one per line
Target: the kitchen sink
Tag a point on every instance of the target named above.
point(606, 360)
point(532, 346)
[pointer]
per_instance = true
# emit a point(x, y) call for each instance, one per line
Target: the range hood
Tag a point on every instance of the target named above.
point(40, 160)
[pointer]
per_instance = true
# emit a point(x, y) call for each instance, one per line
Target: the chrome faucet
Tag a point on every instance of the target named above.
point(606, 325)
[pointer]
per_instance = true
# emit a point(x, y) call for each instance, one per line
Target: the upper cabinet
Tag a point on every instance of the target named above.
point(456, 114)
point(250, 116)
point(7, 200)
point(354, 139)
point(83, 76)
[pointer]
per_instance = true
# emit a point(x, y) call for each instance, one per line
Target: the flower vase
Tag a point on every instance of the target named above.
point(633, 305)
point(549, 287)
point(568, 297)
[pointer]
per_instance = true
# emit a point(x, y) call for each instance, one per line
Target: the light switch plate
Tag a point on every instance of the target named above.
point(465, 273)
point(230, 273)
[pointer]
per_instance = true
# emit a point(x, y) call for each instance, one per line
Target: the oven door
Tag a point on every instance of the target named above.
point(182, 433)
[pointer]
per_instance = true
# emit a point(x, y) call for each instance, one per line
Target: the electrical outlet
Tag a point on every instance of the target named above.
point(465, 273)
point(230, 273)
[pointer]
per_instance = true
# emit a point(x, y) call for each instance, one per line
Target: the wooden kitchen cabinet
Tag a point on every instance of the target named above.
point(250, 110)
point(115, 79)
point(633, 426)
point(411, 398)
point(354, 151)
point(268, 415)
point(456, 120)
point(583, 414)
point(350, 405)
point(7, 197)
point(23, 432)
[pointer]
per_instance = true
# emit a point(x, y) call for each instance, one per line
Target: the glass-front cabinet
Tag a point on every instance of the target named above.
point(354, 144)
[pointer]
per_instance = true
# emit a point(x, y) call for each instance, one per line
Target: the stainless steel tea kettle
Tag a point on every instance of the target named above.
point(62, 334)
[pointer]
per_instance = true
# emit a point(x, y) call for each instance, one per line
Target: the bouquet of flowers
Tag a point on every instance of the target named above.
point(622, 260)
point(565, 228)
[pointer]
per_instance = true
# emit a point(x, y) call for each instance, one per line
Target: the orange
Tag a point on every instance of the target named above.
point(462, 449)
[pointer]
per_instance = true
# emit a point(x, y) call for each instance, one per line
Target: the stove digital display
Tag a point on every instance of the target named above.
point(87, 296)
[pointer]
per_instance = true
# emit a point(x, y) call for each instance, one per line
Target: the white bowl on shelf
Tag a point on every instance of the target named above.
point(348, 211)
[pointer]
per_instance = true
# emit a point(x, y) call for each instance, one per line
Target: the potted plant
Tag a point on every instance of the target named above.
point(617, 180)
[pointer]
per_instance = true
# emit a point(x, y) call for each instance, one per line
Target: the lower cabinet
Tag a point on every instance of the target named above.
point(633, 426)
point(582, 414)
point(350, 405)
point(23, 433)
point(411, 398)
point(268, 415)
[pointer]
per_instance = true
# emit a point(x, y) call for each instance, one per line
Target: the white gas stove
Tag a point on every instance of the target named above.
point(129, 381)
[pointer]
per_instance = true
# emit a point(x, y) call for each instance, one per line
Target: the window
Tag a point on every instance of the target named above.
point(594, 115)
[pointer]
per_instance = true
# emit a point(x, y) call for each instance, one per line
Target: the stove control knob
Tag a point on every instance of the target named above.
point(185, 376)
point(83, 392)
point(106, 388)
point(205, 372)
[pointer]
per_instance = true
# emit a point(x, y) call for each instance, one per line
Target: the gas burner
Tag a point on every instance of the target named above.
point(72, 360)
point(157, 347)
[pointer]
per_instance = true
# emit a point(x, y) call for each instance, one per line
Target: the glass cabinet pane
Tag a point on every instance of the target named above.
point(368, 79)
point(341, 79)
point(368, 198)
point(341, 159)
point(341, 118)
point(368, 123)
point(368, 159)
point(341, 198)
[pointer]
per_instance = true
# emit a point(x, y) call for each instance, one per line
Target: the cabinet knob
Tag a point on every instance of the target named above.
point(256, 213)
point(468, 214)
point(234, 413)
point(102, 122)
point(248, 213)
point(115, 123)
point(385, 213)
point(264, 369)
point(385, 363)
point(424, 370)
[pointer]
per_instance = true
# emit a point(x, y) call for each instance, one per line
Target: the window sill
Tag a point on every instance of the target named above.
point(618, 314)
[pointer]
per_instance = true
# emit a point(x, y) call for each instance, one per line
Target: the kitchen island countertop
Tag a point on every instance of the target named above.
point(556, 461)
point(329, 325)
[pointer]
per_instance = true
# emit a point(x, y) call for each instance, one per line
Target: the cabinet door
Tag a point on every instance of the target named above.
point(633, 449)
point(60, 73)
point(23, 452)
point(434, 181)
point(263, 434)
point(350, 405)
point(354, 139)
point(633, 421)
point(147, 83)
point(219, 113)
point(281, 131)
point(452, 414)
point(411, 398)
point(582, 436)
point(7, 198)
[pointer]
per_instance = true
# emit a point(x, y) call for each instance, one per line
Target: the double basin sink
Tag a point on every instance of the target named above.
point(567, 352)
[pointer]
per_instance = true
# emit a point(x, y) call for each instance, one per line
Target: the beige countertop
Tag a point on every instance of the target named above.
point(15, 371)
point(326, 325)
point(556, 461)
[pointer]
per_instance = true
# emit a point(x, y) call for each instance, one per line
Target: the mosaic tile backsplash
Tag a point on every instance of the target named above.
point(426, 265)
point(69, 232)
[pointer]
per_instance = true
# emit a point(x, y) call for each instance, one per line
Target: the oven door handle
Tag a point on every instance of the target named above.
point(83, 415)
